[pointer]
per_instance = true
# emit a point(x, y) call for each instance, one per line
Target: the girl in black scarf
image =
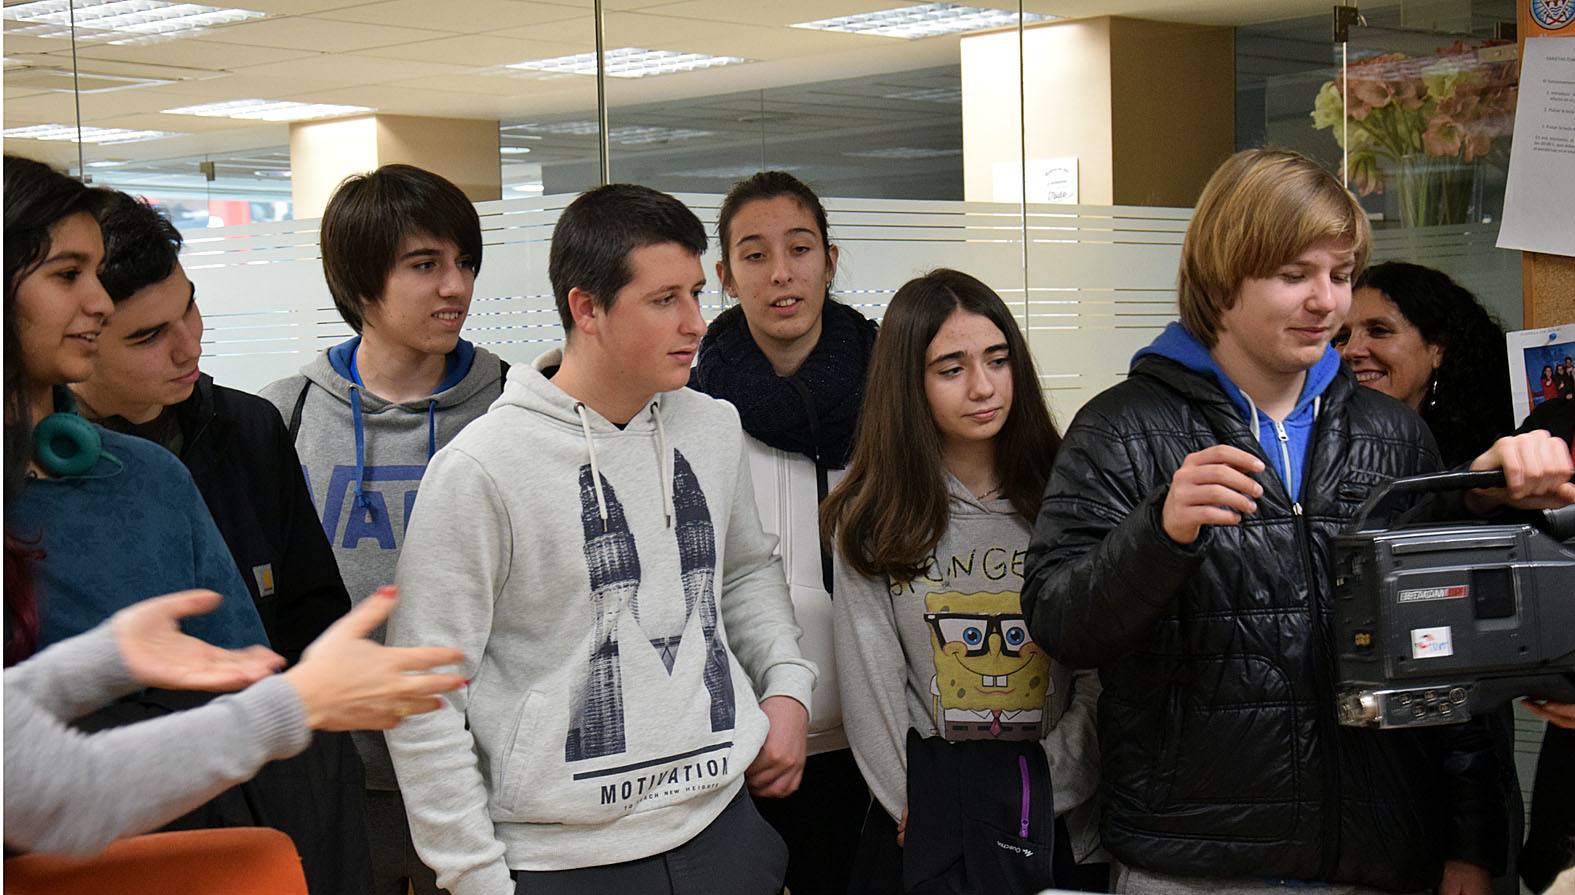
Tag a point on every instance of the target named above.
point(793, 361)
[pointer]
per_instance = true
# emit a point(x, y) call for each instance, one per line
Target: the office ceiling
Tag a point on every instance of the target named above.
point(445, 59)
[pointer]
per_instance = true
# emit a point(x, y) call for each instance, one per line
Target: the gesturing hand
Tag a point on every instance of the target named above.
point(1212, 487)
point(157, 654)
point(777, 770)
point(347, 682)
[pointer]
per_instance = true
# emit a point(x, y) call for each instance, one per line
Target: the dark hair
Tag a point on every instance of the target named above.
point(1467, 403)
point(141, 246)
point(36, 199)
point(767, 185)
point(370, 213)
point(596, 233)
point(890, 510)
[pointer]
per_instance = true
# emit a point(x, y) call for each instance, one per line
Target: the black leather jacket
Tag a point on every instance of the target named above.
point(1220, 752)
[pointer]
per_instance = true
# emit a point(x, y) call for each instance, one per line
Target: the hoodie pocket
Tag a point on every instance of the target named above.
point(525, 750)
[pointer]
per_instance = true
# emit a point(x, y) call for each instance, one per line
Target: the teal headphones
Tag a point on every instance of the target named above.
point(67, 446)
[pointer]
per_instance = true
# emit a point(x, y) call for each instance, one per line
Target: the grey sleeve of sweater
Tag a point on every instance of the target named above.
point(72, 793)
point(755, 605)
point(872, 679)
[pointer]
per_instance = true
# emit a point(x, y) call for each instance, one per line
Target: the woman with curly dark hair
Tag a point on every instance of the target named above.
point(1417, 335)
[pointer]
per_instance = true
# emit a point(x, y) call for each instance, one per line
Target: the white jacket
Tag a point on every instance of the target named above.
point(786, 495)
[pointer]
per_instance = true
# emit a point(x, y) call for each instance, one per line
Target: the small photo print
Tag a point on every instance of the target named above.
point(1542, 367)
point(1431, 643)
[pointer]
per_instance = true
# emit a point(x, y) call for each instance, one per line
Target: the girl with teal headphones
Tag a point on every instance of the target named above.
point(94, 521)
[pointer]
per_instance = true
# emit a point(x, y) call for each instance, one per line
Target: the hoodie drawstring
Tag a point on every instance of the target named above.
point(662, 472)
point(661, 463)
point(360, 446)
point(596, 474)
point(431, 429)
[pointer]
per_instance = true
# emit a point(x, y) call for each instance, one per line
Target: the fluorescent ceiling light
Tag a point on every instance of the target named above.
point(514, 150)
point(928, 20)
point(124, 21)
point(628, 62)
point(905, 152)
point(628, 134)
point(267, 110)
point(528, 187)
point(104, 135)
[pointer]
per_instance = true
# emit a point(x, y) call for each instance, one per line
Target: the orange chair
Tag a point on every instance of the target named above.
point(232, 861)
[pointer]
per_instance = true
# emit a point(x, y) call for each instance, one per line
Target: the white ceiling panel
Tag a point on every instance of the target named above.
point(408, 100)
point(348, 69)
point(778, 14)
point(297, 7)
point(501, 86)
point(189, 53)
point(471, 49)
point(471, 16)
point(321, 35)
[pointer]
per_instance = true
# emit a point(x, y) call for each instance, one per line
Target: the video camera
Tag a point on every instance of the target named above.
point(1437, 622)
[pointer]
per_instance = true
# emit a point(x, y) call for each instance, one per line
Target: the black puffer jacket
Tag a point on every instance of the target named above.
point(1220, 752)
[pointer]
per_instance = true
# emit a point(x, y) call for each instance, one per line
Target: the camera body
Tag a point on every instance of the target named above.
point(1436, 623)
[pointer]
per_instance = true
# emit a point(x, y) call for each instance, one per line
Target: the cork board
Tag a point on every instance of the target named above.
point(1549, 289)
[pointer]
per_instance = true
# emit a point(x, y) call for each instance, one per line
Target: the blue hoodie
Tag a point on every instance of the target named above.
point(1284, 444)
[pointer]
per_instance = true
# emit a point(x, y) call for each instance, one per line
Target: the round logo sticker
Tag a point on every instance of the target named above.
point(1553, 14)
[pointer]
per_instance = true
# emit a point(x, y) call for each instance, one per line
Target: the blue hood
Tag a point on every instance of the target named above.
point(1284, 444)
point(456, 366)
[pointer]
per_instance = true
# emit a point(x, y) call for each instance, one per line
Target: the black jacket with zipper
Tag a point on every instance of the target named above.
point(236, 448)
point(241, 457)
point(1220, 752)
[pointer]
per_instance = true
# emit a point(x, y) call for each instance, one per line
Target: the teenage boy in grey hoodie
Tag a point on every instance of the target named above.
point(401, 248)
point(592, 545)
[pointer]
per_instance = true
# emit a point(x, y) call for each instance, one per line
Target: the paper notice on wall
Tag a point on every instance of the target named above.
point(1050, 180)
point(1539, 199)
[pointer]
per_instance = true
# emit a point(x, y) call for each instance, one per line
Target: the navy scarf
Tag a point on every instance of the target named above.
point(814, 412)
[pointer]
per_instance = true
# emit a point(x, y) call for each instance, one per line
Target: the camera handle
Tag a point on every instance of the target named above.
point(1432, 483)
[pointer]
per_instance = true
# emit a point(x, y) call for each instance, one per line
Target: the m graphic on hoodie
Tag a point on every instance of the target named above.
point(614, 564)
point(401, 248)
point(592, 545)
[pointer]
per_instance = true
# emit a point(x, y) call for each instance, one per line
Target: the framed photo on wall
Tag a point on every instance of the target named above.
point(1541, 367)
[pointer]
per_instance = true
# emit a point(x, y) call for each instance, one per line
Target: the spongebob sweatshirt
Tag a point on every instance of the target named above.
point(970, 669)
point(621, 612)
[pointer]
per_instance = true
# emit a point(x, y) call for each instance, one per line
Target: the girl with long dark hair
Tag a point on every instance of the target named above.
point(792, 359)
point(930, 526)
point(94, 520)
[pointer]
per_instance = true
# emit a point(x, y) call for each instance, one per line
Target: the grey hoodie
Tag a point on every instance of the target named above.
point(969, 670)
point(364, 458)
point(621, 612)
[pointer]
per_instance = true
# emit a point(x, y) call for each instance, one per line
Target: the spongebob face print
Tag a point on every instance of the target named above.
point(991, 680)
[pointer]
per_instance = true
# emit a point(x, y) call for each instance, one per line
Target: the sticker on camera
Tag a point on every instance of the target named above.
point(1431, 643)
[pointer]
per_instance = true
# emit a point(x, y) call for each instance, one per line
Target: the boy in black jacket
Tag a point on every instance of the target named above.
point(1183, 549)
point(146, 382)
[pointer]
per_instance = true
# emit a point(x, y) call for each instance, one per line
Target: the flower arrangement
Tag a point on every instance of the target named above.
point(1422, 122)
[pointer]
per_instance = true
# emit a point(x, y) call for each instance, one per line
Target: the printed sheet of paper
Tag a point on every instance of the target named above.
point(1539, 200)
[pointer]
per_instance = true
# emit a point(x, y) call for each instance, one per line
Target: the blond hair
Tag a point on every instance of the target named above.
point(1261, 209)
